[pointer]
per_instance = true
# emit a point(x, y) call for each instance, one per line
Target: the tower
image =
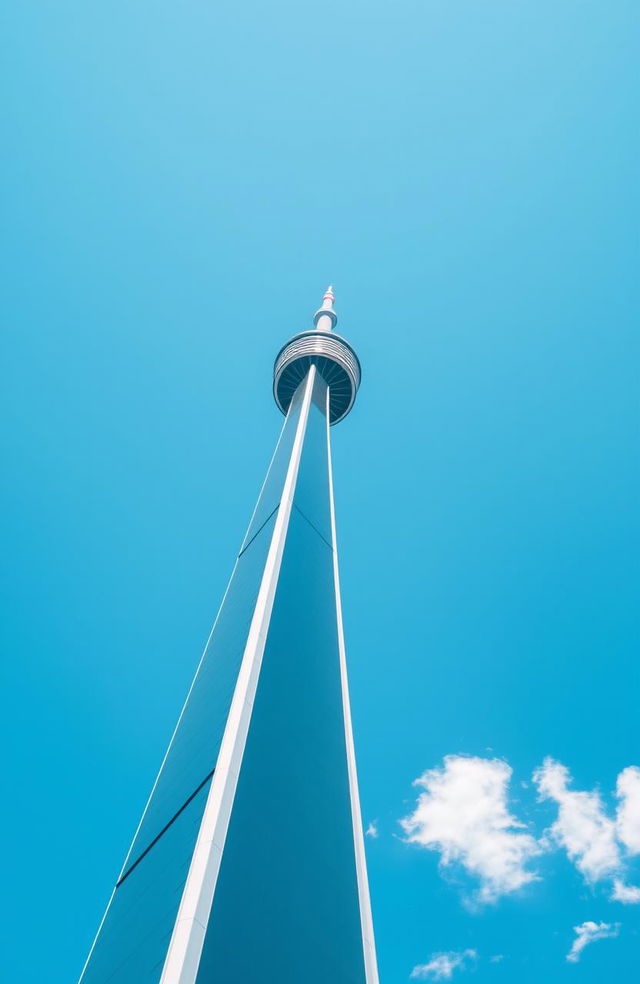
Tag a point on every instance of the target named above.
point(248, 864)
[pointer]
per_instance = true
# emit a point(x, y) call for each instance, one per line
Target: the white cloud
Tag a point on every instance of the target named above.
point(584, 830)
point(442, 965)
point(622, 892)
point(628, 818)
point(372, 829)
point(589, 932)
point(463, 814)
point(591, 838)
point(498, 958)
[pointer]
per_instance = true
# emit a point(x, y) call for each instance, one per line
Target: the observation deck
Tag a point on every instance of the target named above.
point(334, 358)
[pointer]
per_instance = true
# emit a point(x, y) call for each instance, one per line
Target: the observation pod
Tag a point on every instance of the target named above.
point(334, 358)
point(248, 865)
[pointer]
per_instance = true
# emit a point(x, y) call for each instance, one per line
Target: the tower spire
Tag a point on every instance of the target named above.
point(325, 318)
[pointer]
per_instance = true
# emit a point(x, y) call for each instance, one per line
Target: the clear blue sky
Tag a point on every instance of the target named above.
point(180, 183)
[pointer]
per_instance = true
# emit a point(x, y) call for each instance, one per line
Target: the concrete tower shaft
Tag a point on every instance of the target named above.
point(248, 865)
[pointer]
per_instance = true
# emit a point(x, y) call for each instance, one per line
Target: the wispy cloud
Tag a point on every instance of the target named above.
point(628, 819)
point(593, 840)
point(584, 830)
point(589, 932)
point(622, 892)
point(372, 830)
point(463, 814)
point(442, 965)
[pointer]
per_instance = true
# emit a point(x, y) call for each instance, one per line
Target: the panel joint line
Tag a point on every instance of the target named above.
point(164, 829)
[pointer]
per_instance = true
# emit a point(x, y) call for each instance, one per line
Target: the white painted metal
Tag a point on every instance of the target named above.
point(366, 918)
point(185, 948)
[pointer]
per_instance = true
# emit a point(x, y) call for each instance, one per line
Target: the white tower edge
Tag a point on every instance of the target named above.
point(366, 917)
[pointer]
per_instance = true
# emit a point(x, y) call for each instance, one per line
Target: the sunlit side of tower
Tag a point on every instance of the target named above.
point(248, 864)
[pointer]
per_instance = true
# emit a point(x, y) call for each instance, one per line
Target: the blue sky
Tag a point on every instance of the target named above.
point(180, 183)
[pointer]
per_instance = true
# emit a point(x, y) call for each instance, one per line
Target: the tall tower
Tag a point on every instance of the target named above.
point(248, 864)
